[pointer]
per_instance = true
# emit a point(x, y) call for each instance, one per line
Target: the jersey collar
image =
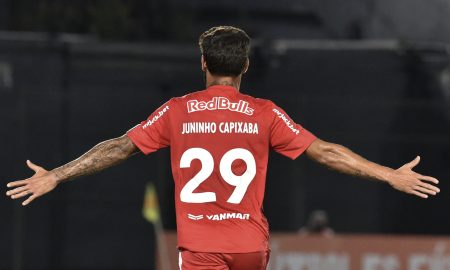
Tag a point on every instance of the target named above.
point(222, 88)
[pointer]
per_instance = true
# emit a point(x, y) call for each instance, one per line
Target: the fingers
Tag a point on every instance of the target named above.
point(16, 190)
point(413, 163)
point(33, 166)
point(428, 178)
point(17, 183)
point(429, 187)
point(30, 199)
point(421, 195)
point(424, 190)
point(21, 194)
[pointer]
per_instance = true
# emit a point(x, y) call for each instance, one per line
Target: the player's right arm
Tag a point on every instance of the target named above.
point(291, 140)
point(342, 159)
point(100, 157)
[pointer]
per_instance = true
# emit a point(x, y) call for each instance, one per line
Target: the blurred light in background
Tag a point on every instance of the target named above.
point(6, 77)
point(445, 82)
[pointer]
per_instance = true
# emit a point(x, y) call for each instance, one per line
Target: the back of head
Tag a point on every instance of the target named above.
point(225, 50)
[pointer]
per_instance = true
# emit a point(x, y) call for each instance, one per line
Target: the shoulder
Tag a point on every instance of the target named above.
point(188, 96)
point(184, 98)
point(260, 102)
point(262, 106)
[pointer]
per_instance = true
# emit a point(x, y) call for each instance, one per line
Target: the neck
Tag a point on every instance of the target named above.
point(223, 80)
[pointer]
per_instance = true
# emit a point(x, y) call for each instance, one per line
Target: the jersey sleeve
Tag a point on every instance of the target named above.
point(287, 137)
point(153, 133)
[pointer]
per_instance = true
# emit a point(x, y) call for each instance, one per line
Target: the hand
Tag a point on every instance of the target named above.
point(406, 180)
point(39, 184)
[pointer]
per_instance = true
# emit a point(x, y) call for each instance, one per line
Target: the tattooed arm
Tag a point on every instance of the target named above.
point(342, 159)
point(100, 157)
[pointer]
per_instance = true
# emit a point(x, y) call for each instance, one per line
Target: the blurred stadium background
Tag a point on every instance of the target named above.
point(371, 75)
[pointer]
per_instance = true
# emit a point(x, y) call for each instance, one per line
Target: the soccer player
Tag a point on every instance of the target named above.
point(219, 142)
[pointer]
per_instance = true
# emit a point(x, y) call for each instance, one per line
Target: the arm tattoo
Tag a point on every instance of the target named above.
point(100, 157)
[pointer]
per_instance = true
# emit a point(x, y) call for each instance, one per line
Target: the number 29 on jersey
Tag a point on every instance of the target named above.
point(241, 182)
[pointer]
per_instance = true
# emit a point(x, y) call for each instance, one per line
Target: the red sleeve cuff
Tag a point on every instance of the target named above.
point(307, 139)
point(134, 136)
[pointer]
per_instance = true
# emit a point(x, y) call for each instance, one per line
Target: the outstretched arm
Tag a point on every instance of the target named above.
point(100, 157)
point(342, 159)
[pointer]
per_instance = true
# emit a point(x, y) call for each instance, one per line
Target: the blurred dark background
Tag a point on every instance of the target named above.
point(371, 75)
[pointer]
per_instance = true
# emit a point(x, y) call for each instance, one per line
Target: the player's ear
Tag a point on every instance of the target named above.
point(247, 64)
point(204, 67)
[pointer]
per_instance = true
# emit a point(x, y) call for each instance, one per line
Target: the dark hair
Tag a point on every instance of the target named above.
point(225, 50)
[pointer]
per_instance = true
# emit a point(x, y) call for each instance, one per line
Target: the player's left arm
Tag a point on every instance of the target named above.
point(102, 156)
point(342, 159)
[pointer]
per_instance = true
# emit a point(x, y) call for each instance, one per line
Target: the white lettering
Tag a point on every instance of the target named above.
point(156, 117)
point(219, 103)
point(223, 127)
point(286, 120)
point(225, 216)
point(198, 127)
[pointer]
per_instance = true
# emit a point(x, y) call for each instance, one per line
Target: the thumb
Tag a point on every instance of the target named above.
point(413, 163)
point(33, 166)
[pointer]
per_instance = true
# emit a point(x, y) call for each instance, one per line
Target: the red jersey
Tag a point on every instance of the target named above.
point(219, 143)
